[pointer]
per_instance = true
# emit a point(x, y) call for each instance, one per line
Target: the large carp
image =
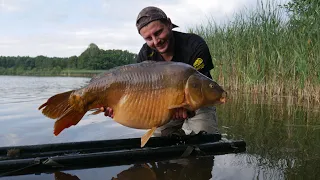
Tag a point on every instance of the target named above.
point(142, 96)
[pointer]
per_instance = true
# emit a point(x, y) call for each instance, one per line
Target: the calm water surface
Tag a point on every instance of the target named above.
point(283, 139)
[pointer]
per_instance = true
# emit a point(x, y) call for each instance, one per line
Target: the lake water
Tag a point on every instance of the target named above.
point(283, 139)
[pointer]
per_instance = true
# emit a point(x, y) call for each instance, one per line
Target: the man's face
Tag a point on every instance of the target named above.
point(157, 35)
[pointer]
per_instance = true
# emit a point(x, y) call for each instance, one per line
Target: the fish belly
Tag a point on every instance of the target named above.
point(147, 109)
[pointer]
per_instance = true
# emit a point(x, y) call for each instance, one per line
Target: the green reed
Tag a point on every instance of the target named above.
point(258, 51)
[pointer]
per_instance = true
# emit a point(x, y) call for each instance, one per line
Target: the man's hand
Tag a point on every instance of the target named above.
point(107, 111)
point(180, 114)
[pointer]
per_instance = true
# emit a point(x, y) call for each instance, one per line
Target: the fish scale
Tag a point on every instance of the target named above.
point(153, 106)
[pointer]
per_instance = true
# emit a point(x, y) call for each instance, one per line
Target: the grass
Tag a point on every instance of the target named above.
point(258, 52)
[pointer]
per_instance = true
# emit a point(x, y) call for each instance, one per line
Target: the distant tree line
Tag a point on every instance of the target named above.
point(93, 58)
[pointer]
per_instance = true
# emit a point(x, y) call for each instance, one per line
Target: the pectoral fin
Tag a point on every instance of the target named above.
point(146, 136)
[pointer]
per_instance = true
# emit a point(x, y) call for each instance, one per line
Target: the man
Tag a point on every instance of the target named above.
point(164, 44)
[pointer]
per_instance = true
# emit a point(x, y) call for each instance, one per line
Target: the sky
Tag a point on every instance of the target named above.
point(63, 28)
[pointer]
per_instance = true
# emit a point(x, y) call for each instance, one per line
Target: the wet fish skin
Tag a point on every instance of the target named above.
point(142, 96)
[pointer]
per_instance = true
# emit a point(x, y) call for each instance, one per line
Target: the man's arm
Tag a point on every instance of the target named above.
point(201, 59)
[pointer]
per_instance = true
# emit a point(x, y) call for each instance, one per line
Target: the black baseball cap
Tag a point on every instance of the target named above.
point(149, 14)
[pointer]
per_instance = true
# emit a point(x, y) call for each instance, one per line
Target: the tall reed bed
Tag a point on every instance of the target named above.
point(258, 51)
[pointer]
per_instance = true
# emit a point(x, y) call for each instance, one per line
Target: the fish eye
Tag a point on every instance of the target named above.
point(211, 85)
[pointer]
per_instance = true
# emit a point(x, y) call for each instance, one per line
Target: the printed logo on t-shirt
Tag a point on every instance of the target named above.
point(198, 64)
point(151, 54)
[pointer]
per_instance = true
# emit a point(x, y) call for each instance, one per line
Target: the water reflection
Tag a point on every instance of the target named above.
point(279, 134)
point(65, 176)
point(191, 168)
point(182, 169)
point(140, 171)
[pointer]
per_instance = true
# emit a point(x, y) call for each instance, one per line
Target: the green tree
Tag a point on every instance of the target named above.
point(72, 62)
point(92, 58)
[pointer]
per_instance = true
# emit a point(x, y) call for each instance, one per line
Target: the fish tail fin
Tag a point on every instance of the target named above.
point(145, 138)
point(68, 112)
point(56, 105)
point(71, 117)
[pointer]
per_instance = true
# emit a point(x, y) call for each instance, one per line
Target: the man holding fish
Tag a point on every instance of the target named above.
point(170, 79)
point(164, 44)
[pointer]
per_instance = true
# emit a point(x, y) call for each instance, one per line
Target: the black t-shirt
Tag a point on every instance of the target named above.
point(189, 48)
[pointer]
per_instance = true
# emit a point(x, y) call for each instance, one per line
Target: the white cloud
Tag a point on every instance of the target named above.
point(8, 6)
point(67, 28)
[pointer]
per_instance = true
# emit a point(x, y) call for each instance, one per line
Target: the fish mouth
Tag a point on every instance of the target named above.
point(223, 97)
